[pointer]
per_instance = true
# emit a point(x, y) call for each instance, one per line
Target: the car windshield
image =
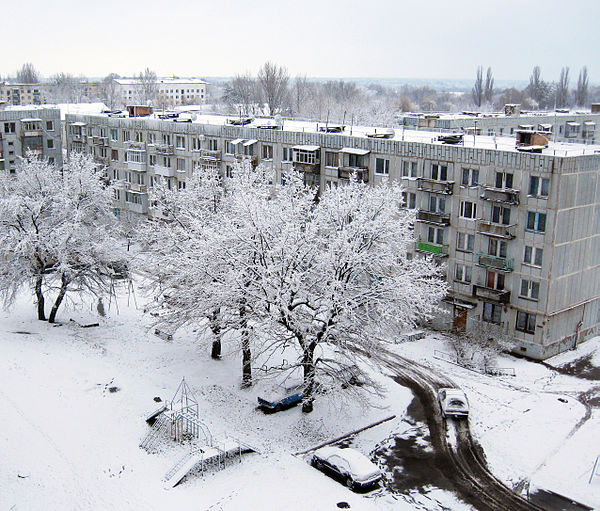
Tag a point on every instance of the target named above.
point(456, 402)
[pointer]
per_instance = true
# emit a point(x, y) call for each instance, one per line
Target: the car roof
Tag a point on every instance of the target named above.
point(360, 463)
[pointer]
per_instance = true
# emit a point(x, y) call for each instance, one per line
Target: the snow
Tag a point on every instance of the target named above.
point(360, 467)
point(75, 402)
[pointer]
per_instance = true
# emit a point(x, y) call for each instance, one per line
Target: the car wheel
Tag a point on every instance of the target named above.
point(349, 482)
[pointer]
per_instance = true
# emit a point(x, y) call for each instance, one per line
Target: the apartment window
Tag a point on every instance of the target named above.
point(126, 136)
point(51, 160)
point(152, 160)
point(117, 212)
point(533, 256)
point(498, 248)
point(10, 127)
point(139, 136)
point(136, 156)
point(465, 242)
point(116, 174)
point(180, 164)
point(50, 143)
point(504, 180)
point(133, 198)
point(212, 144)
point(435, 235)
point(539, 186)
point(49, 125)
point(196, 143)
point(267, 152)
point(530, 289)
point(382, 166)
point(180, 142)
point(117, 194)
point(230, 149)
point(492, 313)
point(114, 135)
point(166, 161)
point(439, 172)
point(437, 204)
point(495, 280)
point(470, 177)
point(229, 171)
point(331, 158)
point(525, 322)
point(114, 155)
point(410, 200)
point(152, 138)
point(468, 209)
point(355, 160)
point(166, 138)
point(536, 221)
point(181, 185)
point(409, 169)
point(500, 215)
point(463, 273)
point(310, 157)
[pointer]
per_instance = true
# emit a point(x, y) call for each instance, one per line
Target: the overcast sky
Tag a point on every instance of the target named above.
point(325, 38)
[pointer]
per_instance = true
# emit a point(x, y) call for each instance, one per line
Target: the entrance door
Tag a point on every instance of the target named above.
point(460, 319)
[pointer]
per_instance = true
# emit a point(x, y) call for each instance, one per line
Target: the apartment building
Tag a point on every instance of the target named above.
point(24, 93)
point(37, 130)
point(518, 230)
point(169, 91)
point(562, 125)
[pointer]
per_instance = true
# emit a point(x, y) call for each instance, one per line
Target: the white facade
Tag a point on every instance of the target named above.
point(169, 91)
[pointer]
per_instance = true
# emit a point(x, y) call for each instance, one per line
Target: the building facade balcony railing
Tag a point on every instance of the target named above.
point(166, 149)
point(488, 293)
point(431, 217)
point(432, 248)
point(140, 146)
point(134, 187)
point(362, 173)
point(431, 185)
point(32, 133)
point(100, 141)
point(136, 166)
point(159, 170)
point(503, 195)
point(495, 262)
point(209, 154)
point(497, 230)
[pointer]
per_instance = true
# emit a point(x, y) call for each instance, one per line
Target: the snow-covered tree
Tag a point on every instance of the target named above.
point(56, 230)
point(313, 277)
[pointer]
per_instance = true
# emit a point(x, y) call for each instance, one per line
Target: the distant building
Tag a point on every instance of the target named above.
point(43, 93)
point(168, 91)
point(37, 130)
point(24, 93)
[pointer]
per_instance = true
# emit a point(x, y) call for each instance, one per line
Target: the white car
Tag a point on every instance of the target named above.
point(453, 403)
point(348, 465)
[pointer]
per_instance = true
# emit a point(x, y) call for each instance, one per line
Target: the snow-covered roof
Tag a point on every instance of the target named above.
point(353, 150)
point(31, 119)
point(307, 147)
point(165, 81)
point(250, 142)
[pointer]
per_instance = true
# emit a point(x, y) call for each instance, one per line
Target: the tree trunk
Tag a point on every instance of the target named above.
point(246, 353)
point(64, 283)
point(309, 377)
point(215, 327)
point(40, 298)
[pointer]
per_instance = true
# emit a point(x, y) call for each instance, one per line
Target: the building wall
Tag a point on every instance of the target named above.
point(559, 304)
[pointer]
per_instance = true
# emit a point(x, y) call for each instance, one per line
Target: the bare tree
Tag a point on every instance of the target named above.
point(148, 86)
point(562, 88)
point(489, 86)
point(477, 91)
point(581, 92)
point(28, 74)
point(242, 93)
point(301, 92)
point(538, 89)
point(110, 90)
point(479, 347)
point(273, 80)
point(64, 88)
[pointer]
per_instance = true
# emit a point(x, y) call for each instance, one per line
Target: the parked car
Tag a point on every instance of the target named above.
point(453, 403)
point(278, 397)
point(348, 465)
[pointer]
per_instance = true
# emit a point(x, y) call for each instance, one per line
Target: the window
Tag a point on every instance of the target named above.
point(136, 156)
point(465, 242)
point(49, 125)
point(139, 136)
point(504, 180)
point(492, 313)
point(530, 289)
point(180, 165)
point(180, 142)
point(435, 235)
point(463, 273)
point(410, 200)
point(539, 186)
point(126, 136)
point(212, 144)
point(152, 138)
point(533, 256)
point(536, 221)
point(437, 204)
point(468, 209)
point(51, 160)
point(166, 139)
point(497, 247)
point(114, 135)
point(230, 149)
point(500, 215)
point(525, 322)
point(134, 198)
point(470, 177)
point(439, 172)
point(382, 166)
point(117, 194)
point(10, 127)
point(267, 152)
point(229, 171)
point(153, 160)
point(309, 157)
point(114, 155)
point(166, 161)
point(355, 160)
point(116, 173)
point(409, 169)
point(181, 185)
point(50, 143)
point(331, 158)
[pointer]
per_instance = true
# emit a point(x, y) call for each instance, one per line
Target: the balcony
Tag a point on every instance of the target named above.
point(497, 230)
point(100, 141)
point(494, 295)
point(135, 208)
point(134, 187)
point(362, 173)
point(210, 155)
point(432, 248)
point(32, 132)
point(495, 262)
point(164, 171)
point(433, 218)
point(431, 185)
point(140, 146)
point(166, 149)
point(503, 195)
point(136, 166)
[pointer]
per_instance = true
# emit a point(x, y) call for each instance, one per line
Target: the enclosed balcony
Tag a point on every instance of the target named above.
point(210, 155)
point(490, 294)
point(503, 195)
point(136, 166)
point(431, 185)
point(362, 173)
point(432, 248)
point(488, 228)
point(495, 262)
point(431, 217)
point(31, 127)
point(100, 141)
point(159, 170)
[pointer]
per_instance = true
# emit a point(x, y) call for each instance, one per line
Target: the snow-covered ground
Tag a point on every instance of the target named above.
point(74, 402)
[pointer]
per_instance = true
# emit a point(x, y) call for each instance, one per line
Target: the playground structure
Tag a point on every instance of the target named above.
point(179, 420)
